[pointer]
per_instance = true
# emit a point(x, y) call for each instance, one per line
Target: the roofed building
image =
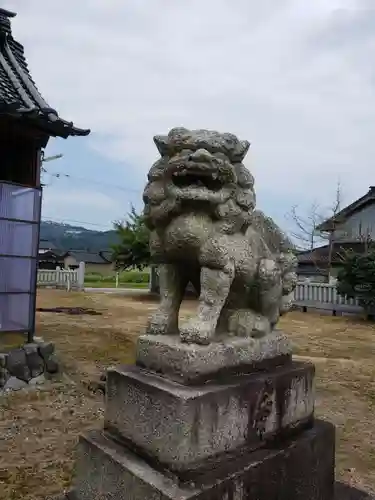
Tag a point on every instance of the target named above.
point(356, 222)
point(27, 122)
point(352, 228)
point(95, 262)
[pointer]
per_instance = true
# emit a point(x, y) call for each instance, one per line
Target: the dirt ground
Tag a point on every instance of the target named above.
point(39, 429)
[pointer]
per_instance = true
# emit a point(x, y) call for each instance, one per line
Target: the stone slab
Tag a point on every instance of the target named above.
point(184, 427)
point(342, 492)
point(192, 363)
point(297, 469)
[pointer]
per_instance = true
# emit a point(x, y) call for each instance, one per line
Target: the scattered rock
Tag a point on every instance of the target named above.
point(14, 384)
point(38, 380)
point(17, 365)
point(46, 349)
point(95, 387)
point(34, 361)
point(4, 474)
point(52, 365)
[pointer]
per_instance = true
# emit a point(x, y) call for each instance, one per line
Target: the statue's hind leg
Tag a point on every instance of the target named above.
point(172, 282)
point(271, 290)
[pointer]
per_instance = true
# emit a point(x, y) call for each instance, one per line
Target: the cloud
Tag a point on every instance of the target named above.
point(295, 78)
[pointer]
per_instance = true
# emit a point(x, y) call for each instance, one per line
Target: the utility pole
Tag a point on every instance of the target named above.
point(49, 158)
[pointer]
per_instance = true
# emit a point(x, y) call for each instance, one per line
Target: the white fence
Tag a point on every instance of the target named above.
point(320, 292)
point(68, 279)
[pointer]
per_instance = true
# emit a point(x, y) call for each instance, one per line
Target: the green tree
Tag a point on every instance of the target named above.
point(133, 249)
point(356, 278)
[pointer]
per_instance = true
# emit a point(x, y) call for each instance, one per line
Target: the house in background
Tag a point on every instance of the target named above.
point(351, 229)
point(321, 263)
point(95, 262)
point(49, 257)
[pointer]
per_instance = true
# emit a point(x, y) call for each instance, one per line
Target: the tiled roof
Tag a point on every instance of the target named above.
point(106, 254)
point(19, 96)
point(87, 257)
point(46, 245)
point(320, 255)
point(332, 222)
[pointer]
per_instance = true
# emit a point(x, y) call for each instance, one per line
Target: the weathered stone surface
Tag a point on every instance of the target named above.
point(347, 492)
point(3, 360)
point(342, 492)
point(34, 360)
point(52, 365)
point(298, 469)
point(184, 426)
point(40, 380)
point(17, 364)
point(193, 363)
point(46, 349)
point(14, 384)
point(4, 373)
point(4, 376)
point(200, 209)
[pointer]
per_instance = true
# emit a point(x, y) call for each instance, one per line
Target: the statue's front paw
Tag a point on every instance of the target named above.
point(196, 331)
point(159, 324)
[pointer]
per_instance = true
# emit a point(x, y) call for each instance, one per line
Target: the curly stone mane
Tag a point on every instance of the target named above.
point(201, 170)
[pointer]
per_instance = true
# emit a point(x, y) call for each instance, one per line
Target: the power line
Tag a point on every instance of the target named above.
point(63, 221)
point(59, 175)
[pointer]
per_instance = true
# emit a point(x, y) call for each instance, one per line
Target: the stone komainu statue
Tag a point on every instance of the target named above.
point(200, 208)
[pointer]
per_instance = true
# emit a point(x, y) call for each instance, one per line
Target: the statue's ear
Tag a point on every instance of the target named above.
point(162, 144)
point(242, 150)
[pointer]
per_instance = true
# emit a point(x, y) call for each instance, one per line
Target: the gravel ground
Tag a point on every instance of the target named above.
point(39, 428)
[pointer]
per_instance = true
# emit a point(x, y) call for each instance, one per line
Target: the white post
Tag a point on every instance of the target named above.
point(81, 276)
point(117, 275)
point(68, 282)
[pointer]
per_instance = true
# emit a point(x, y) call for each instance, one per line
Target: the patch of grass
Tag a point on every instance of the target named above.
point(39, 430)
point(125, 279)
point(111, 284)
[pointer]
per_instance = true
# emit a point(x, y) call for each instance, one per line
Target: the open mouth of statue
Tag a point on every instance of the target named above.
point(193, 180)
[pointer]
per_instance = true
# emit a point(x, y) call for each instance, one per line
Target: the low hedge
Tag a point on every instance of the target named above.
point(124, 277)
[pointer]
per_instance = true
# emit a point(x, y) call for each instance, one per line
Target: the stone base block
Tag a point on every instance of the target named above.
point(298, 469)
point(192, 363)
point(185, 427)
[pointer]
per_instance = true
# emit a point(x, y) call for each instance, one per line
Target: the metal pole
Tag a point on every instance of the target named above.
point(34, 271)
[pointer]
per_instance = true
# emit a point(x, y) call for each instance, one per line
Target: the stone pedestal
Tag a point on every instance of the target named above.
point(249, 434)
point(184, 426)
point(300, 468)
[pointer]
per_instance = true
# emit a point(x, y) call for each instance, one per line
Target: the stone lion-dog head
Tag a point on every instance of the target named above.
point(200, 170)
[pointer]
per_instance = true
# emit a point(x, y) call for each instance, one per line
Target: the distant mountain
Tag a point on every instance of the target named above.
point(67, 237)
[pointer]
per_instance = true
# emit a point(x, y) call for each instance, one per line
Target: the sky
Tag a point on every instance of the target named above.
point(296, 78)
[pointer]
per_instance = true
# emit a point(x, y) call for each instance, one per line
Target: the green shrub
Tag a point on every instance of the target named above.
point(356, 278)
point(134, 277)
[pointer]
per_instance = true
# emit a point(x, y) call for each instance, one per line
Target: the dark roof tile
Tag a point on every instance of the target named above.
point(46, 245)
point(88, 257)
point(321, 254)
point(19, 95)
point(357, 205)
